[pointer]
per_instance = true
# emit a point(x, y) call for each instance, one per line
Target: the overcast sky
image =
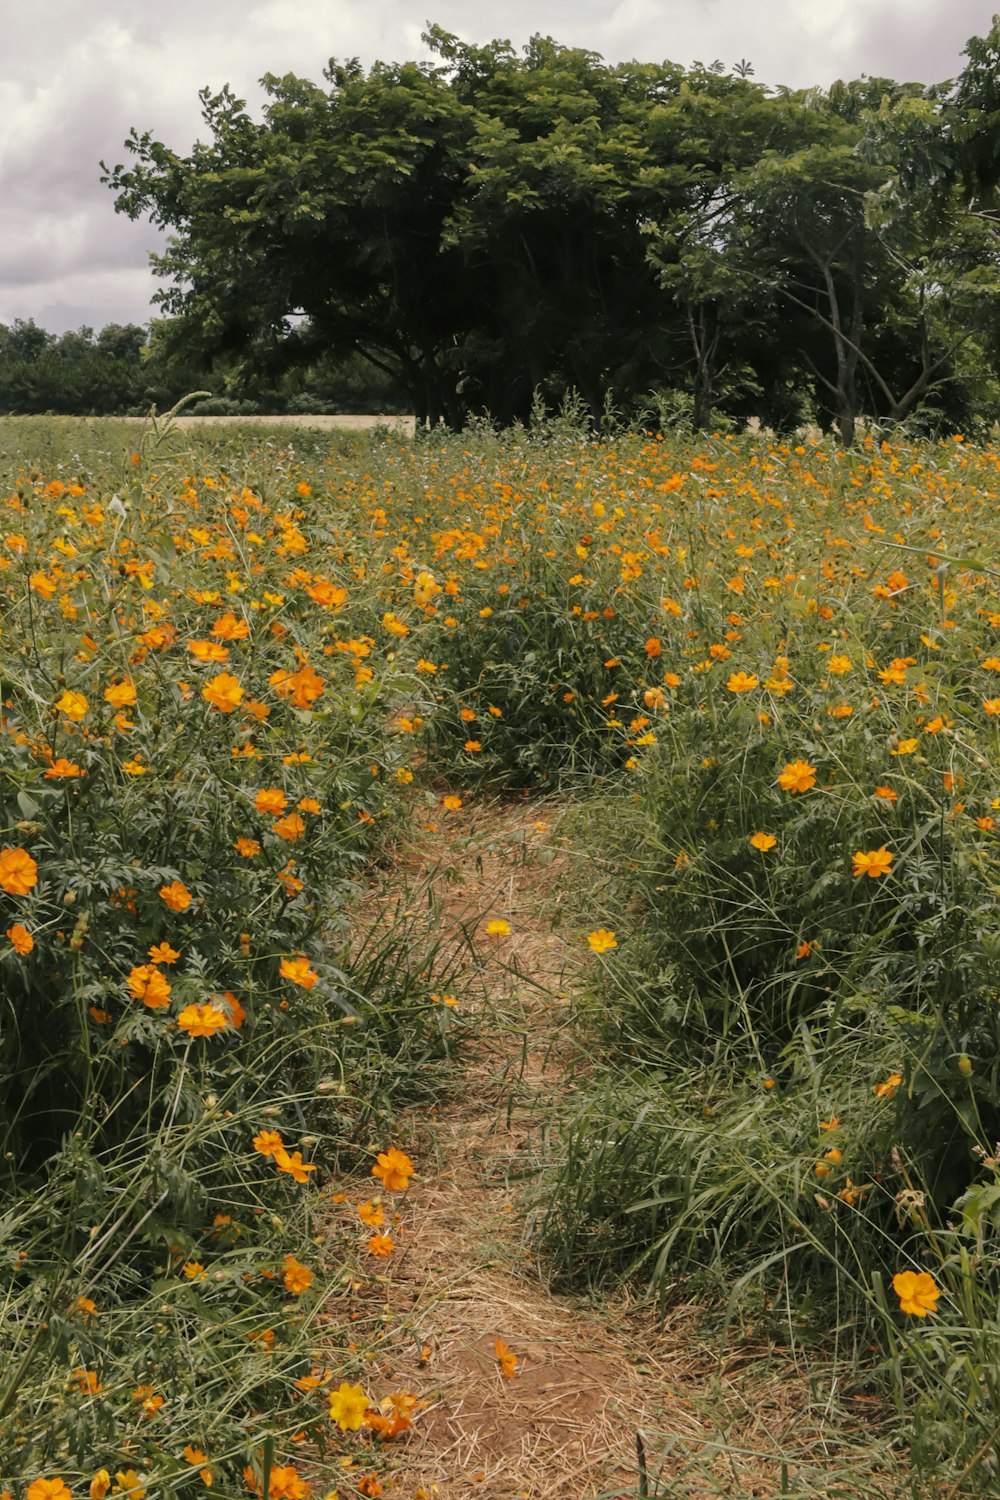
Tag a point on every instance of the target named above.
point(76, 75)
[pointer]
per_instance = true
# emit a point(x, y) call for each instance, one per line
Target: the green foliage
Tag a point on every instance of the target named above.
point(490, 225)
point(187, 809)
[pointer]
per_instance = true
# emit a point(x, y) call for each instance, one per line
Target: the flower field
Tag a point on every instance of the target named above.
point(763, 678)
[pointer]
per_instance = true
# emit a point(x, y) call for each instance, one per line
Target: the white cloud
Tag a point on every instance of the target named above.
point(74, 79)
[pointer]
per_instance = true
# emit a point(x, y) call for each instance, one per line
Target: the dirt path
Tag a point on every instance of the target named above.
point(564, 1428)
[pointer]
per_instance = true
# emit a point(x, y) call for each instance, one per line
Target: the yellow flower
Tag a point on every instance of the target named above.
point(838, 665)
point(601, 940)
point(917, 1291)
point(348, 1405)
point(120, 694)
point(742, 682)
point(100, 1484)
point(798, 776)
point(498, 927)
point(874, 863)
point(763, 841)
point(73, 705)
point(905, 747)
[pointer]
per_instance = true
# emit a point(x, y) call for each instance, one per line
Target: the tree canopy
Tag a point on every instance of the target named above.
point(493, 224)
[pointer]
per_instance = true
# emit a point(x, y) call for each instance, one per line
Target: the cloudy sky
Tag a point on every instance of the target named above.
point(75, 76)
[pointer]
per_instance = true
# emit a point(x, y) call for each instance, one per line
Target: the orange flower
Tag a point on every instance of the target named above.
point(208, 651)
point(175, 895)
point(162, 953)
point(874, 863)
point(63, 768)
point(381, 1245)
point(223, 692)
point(202, 1020)
point(371, 1214)
point(601, 940)
point(302, 688)
point(394, 1168)
point(763, 841)
point(297, 1277)
point(248, 848)
point(237, 1012)
point(293, 1164)
point(18, 872)
point(290, 828)
point(798, 776)
point(228, 628)
point(299, 971)
point(451, 803)
point(268, 1142)
point(270, 800)
point(20, 938)
point(889, 1088)
point(506, 1359)
point(146, 983)
point(48, 1489)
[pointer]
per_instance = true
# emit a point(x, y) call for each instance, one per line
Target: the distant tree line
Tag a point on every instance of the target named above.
point(127, 368)
point(496, 228)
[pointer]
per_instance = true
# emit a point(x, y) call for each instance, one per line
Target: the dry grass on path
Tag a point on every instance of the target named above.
point(714, 1421)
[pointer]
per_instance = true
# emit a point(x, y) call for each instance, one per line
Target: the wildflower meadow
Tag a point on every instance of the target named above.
point(758, 680)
